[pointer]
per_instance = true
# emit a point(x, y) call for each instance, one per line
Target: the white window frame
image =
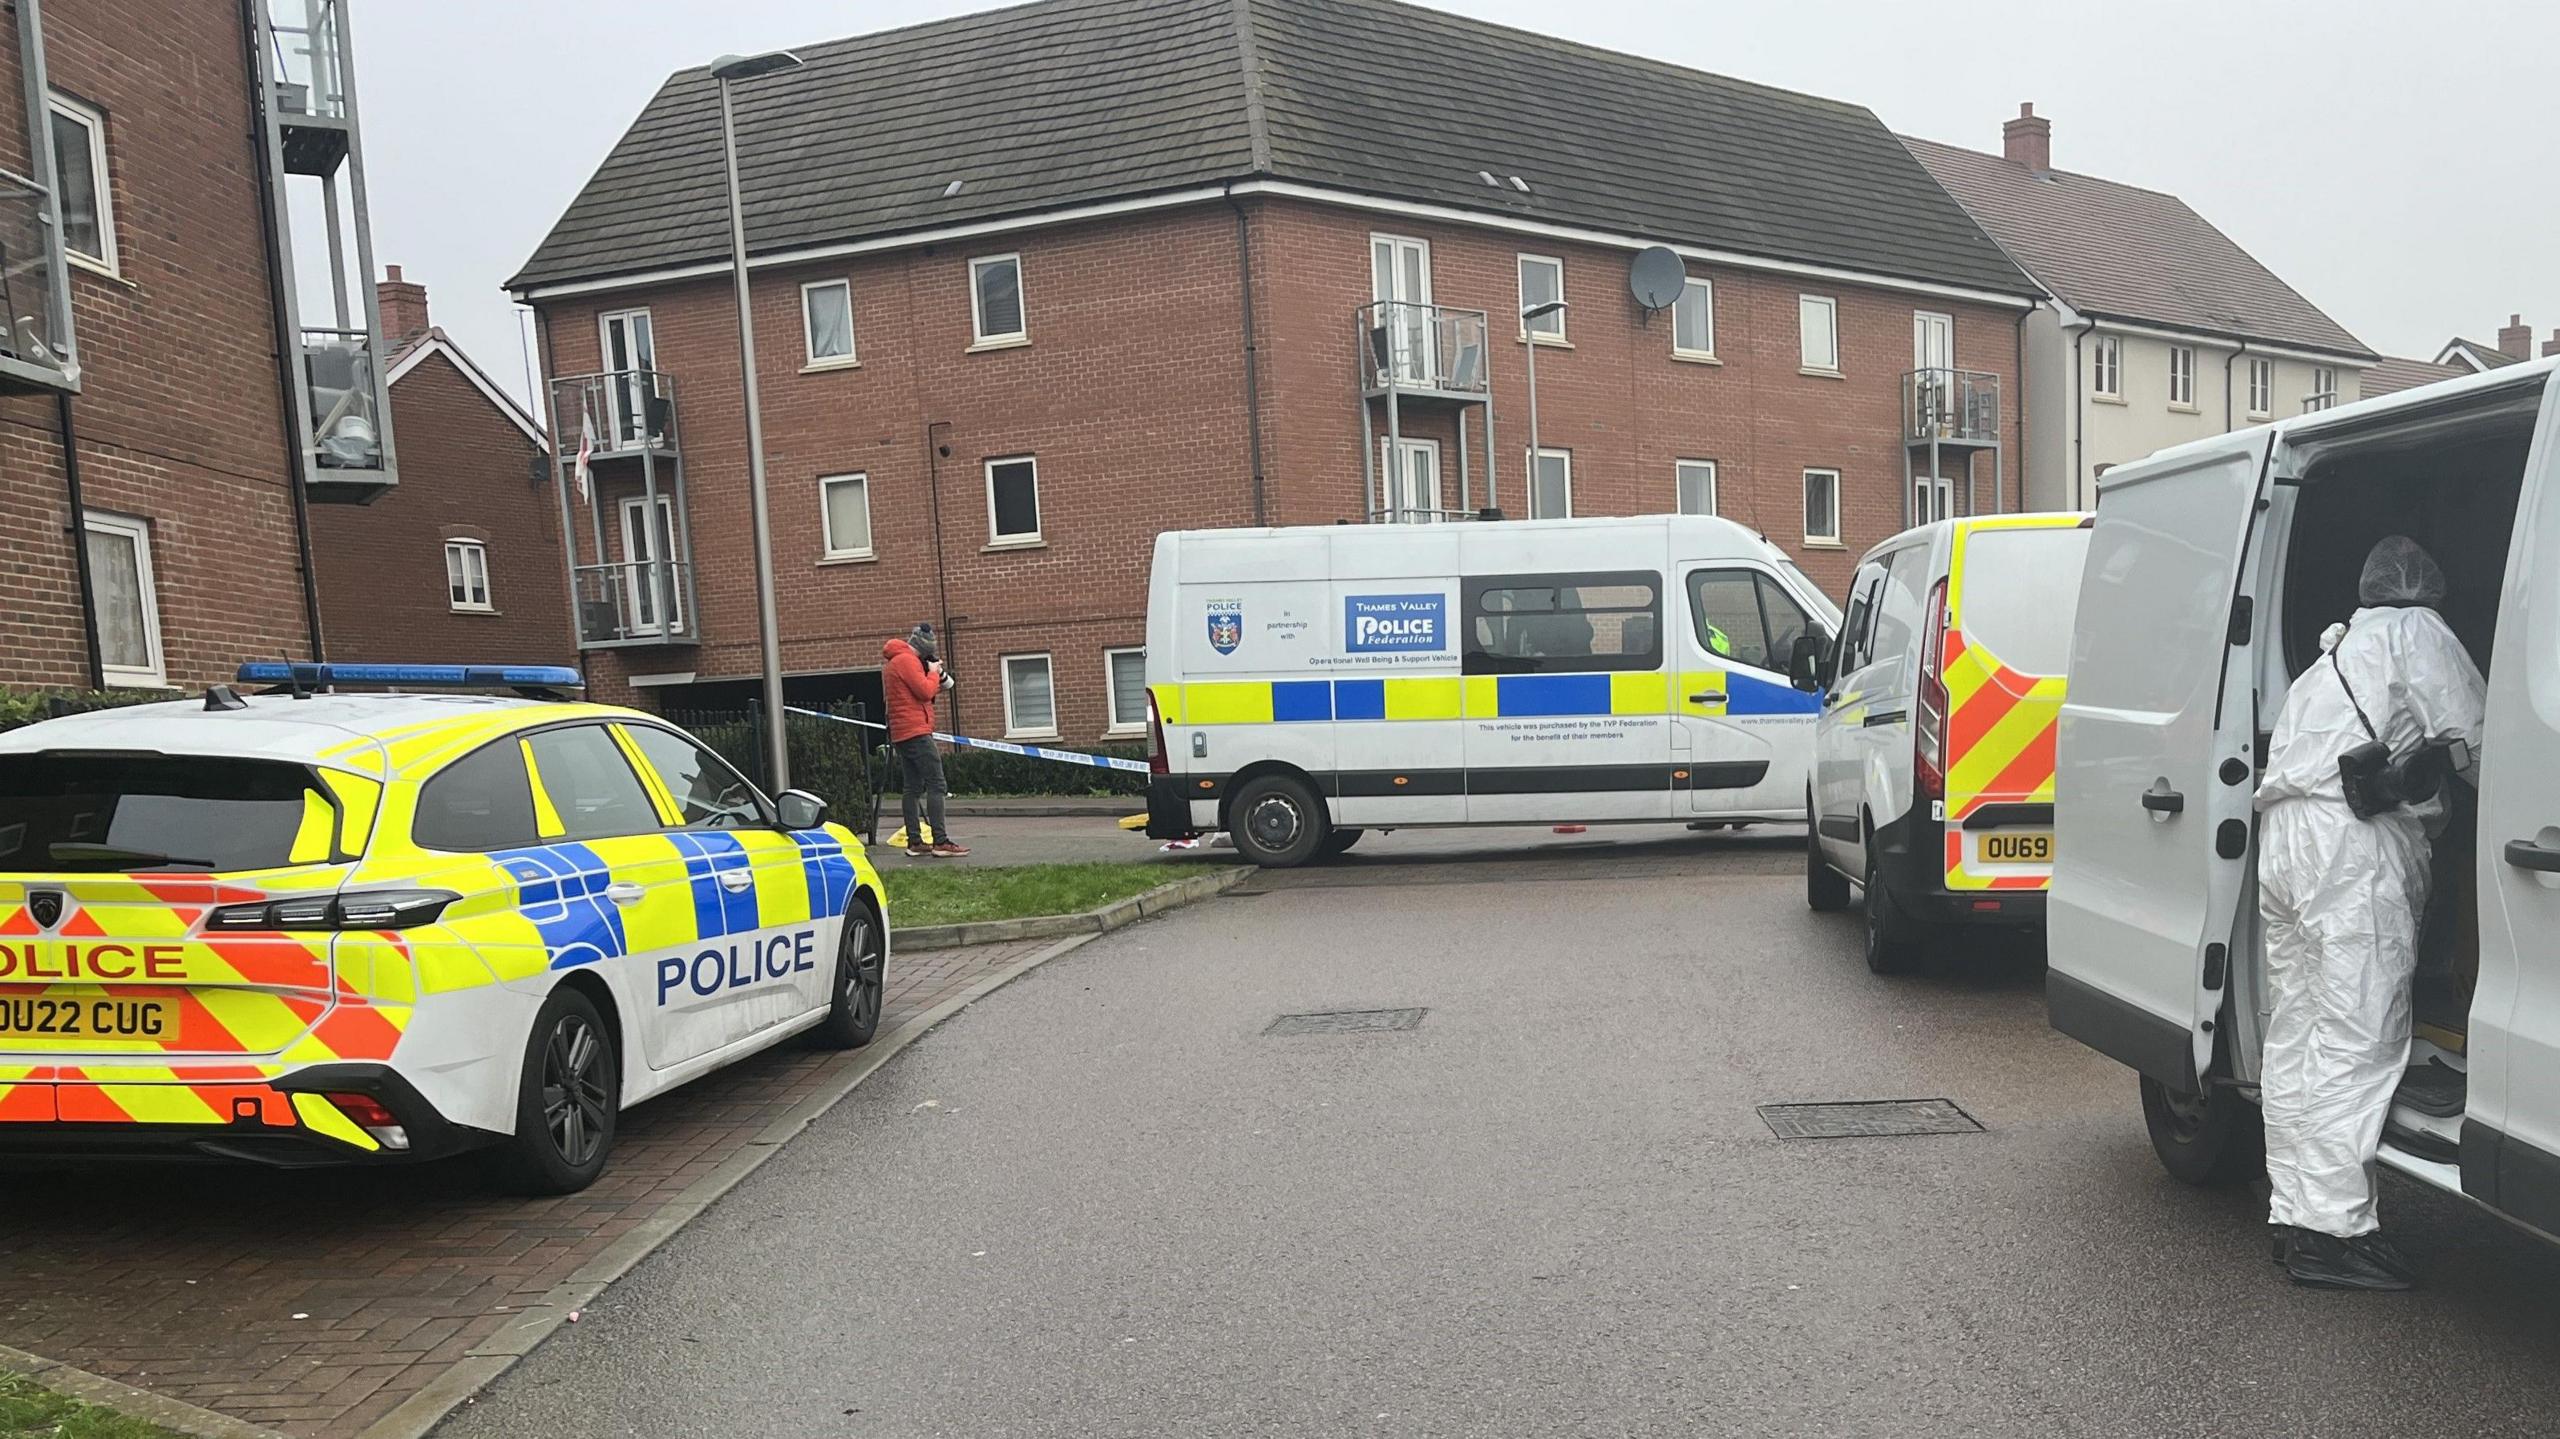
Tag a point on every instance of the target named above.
point(1678, 351)
point(1004, 681)
point(1530, 499)
point(93, 120)
point(809, 332)
point(1830, 309)
point(1119, 724)
point(1680, 471)
point(1520, 276)
point(830, 550)
point(980, 339)
point(156, 674)
point(2262, 387)
point(458, 554)
point(2106, 368)
point(1832, 539)
point(2324, 385)
point(996, 540)
point(2182, 366)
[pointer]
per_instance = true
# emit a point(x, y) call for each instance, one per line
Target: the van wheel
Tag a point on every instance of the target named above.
point(2214, 1140)
point(1826, 890)
point(1276, 821)
point(861, 961)
point(1892, 947)
point(1339, 840)
point(568, 1100)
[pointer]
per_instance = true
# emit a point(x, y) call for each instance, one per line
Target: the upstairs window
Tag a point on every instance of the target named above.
point(2262, 386)
point(1013, 501)
point(844, 516)
point(80, 182)
point(2182, 376)
point(2324, 389)
point(1693, 320)
point(995, 300)
point(1818, 333)
point(1551, 485)
point(466, 574)
point(1541, 283)
point(1696, 481)
point(1822, 507)
point(2106, 368)
point(826, 321)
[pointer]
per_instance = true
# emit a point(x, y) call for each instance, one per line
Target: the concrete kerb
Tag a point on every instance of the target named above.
point(141, 1404)
point(1093, 921)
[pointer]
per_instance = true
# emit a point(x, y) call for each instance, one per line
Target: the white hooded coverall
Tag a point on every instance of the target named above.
point(2340, 897)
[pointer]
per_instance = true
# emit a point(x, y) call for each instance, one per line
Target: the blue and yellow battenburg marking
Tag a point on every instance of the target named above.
point(1449, 697)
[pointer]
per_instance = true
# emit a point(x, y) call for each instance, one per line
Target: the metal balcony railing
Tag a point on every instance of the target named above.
point(634, 602)
point(35, 348)
point(346, 399)
point(2314, 404)
point(1427, 348)
point(310, 58)
point(614, 412)
point(1950, 406)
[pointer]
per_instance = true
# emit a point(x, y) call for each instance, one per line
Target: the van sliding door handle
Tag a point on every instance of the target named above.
point(2530, 854)
point(1707, 697)
point(2164, 801)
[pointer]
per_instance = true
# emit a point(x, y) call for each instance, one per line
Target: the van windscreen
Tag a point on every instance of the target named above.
point(2021, 594)
point(135, 814)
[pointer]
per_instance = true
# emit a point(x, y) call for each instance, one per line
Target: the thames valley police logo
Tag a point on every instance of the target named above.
point(1226, 625)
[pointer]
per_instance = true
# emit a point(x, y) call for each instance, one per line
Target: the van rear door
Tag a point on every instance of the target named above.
point(2011, 585)
point(2154, 769)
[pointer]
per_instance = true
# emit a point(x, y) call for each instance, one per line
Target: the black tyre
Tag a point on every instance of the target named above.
point(1336, 841)
point(1826, 890)
point(1277, 821)
point(862, 955)
point(568, 1100)
point(2213, 1140)
point(1892, 946)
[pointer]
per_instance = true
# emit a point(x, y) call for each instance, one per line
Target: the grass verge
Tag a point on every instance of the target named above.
point(29, 1410)
point(954, 893)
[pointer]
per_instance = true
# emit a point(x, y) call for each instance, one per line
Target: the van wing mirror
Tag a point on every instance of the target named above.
point(799, 809)
point(1807, 661)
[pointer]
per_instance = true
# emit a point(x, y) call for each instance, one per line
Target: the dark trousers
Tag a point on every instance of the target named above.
point(921, 787)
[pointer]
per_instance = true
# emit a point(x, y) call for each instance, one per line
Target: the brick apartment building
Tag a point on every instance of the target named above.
point(164, 412)
point(461, 562)
point(1033, 285)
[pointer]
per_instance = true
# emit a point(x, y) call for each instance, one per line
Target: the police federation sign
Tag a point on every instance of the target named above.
point(1395, 624)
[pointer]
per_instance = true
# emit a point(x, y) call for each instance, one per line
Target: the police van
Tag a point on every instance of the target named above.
point(307, 928)
point(1308, 685)
point(2212, 570)
point(1933, 759)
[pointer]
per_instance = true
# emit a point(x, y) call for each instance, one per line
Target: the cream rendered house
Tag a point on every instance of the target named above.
point(2159, 329)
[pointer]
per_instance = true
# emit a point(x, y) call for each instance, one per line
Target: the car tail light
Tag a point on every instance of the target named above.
point(1929, 728)
point(372, 1116)
point(355, 909)
point(1157, 762)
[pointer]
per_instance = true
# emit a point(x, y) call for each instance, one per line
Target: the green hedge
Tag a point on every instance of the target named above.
point(25, 707)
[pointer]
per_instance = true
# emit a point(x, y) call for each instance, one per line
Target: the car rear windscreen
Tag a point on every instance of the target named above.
point(2021, 592)
point(134, 814)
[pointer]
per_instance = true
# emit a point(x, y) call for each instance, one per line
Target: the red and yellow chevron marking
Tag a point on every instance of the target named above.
point(2001, 728)
point(188, 1097)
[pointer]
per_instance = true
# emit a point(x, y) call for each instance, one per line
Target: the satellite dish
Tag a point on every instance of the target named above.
point(1656, 276)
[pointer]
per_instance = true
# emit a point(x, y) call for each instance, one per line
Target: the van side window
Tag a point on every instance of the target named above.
point(1786, 619)
point(1744, 616)
point(1855, 631)
point(1564, 623)
point(1897, 608)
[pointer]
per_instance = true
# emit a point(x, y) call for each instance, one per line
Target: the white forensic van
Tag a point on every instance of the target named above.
point(2212, 570)
point(1306, 685)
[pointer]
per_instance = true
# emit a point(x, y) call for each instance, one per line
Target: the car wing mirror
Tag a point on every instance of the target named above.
point(799, 809)
point(1807, 661)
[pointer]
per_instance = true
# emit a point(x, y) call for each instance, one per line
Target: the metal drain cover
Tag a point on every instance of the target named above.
point(1867, 1119)
point(1347, 1021)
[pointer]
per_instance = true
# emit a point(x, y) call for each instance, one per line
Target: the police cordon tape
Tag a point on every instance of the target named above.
point(1027, 751)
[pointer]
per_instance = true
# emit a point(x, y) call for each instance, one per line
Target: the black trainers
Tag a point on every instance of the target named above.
point(2324, 1261)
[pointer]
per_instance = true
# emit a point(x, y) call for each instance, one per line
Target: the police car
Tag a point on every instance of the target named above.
point(305, 927)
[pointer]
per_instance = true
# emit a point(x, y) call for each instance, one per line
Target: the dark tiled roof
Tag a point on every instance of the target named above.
point(2127, 253)
point(2490, 357)
point(2391, 374)
point(1067, 102)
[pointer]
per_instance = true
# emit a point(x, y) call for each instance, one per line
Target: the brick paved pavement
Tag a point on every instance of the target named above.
point(186, 1281)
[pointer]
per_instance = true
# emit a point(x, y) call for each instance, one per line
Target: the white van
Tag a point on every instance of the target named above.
point(1306, 685)
point(1933, 759)
point(2212, 570)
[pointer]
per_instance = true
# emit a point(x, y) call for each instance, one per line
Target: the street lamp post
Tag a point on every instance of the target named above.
point(729, 69)
point(1528, 313)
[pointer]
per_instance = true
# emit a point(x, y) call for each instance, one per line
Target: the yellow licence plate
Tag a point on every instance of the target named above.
point(89, 1016)
point(2017, 849)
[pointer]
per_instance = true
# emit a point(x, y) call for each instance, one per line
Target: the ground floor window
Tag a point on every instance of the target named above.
point(1551, 485)
point(1030, 702)
point(1125, 672)
point(128, 603)
point(1697, 485)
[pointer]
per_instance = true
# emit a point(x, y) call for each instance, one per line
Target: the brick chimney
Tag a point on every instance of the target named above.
point(2028, 140)
point(2552, 345)
point(404, 308)
point(2516, 338)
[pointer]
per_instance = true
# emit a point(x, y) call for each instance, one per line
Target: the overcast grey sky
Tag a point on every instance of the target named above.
point(2377, 155)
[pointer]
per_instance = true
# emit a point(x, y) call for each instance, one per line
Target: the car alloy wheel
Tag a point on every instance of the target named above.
point(576, 1100)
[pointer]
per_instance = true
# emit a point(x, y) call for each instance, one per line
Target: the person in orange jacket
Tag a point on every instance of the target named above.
point(913, 678)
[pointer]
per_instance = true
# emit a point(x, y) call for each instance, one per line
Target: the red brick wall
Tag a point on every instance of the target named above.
point(180, 422)
point(466, 472)
point(1131, 395)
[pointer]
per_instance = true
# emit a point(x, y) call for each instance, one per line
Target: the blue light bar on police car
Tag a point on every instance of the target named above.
point(278, 672)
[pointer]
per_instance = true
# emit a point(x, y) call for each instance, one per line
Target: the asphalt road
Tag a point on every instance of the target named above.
point(1102, 1202)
